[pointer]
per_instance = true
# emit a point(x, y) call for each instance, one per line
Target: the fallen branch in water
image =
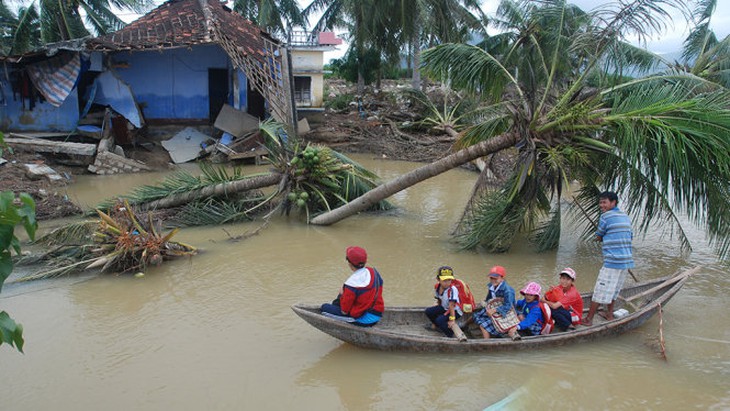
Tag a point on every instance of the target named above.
point(662, 346)
point(118, 241)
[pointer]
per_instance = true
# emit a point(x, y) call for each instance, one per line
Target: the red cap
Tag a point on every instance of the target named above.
point(356, 255)
point(497, 271)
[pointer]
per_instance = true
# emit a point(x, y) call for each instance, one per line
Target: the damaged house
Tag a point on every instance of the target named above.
point(179, 64)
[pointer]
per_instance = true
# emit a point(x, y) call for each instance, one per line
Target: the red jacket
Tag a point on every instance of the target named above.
point(570, 300)
point(573, 302)
point(362, 292)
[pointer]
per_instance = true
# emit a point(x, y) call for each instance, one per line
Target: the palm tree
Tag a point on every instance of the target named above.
point(19, 31)
point(432, 22)
point(54, 21)
point(704, 55)
point(655, 140)
point(372, 25)
point(274, 16)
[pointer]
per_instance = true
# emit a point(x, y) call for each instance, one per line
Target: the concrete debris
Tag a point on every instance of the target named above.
point(235, 122)
point(55, 147)
point(185, 145)
point(38, 171)
point(107, 162)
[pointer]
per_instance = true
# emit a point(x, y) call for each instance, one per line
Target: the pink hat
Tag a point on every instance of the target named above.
point(569, 272)
point(356, 255)
point(532, 289)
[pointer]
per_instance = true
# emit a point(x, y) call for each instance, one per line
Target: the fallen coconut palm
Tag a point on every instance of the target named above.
point(308, 178)
point(119, 241)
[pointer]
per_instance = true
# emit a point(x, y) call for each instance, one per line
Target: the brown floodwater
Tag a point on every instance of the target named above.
point(215, 331)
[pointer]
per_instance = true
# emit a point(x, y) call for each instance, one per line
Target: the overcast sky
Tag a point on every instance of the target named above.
point(668, 42)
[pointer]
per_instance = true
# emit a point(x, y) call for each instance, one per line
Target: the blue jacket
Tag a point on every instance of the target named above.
point(532, 313)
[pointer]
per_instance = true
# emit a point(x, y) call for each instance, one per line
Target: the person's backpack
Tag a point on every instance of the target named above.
point(547, 319)
point(466, 298)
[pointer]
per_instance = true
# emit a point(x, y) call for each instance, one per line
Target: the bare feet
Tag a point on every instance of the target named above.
point(485, 334)
point(587, 322)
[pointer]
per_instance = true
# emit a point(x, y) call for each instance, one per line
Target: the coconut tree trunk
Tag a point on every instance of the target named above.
point(386, 190)
point(416, 80)
point(251, 183)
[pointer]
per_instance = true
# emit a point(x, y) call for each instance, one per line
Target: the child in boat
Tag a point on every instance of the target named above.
point(446, 311)
point(565, 301)
point(528, 310)
point(501, 310)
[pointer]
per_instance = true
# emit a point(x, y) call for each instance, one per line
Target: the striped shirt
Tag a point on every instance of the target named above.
point(614, 227)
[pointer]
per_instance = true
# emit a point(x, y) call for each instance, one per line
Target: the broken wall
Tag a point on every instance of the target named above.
point(173, 84)
point(26, 110)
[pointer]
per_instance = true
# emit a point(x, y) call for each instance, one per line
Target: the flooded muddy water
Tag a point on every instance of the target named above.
point(215, 331)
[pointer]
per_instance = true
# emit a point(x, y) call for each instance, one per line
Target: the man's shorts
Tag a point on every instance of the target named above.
point(608, 285)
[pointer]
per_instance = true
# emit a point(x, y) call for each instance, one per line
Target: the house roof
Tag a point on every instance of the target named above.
point(181, 23)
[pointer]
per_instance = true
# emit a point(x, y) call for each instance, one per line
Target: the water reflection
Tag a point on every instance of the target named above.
point(215, 331)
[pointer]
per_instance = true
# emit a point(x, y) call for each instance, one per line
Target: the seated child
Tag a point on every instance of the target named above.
point(446, 310)
point(528, 310)
point(565, 301)
point(500, 292)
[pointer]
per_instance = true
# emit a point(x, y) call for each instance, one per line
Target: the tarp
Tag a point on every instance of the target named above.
point(112, 91)
point(56, 77)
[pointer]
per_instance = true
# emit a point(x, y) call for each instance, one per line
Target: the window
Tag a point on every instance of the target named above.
point(303, 91)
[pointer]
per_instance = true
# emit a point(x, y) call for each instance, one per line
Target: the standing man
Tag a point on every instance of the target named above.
point(614, 230)
point(361, 299)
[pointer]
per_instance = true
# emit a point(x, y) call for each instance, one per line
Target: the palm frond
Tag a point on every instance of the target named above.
point(492, 223)
point(214, 211)
point(547, 235)
point(180, 182)
point(477, 72)
point(73, 233)
point(637, 18)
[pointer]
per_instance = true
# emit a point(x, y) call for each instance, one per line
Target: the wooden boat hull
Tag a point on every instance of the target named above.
point(401, 328)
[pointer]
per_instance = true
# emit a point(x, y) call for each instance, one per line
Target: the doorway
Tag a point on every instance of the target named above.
point(217, 91)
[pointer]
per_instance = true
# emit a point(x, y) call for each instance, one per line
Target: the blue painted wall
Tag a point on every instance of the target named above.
point(43, 117)
point(168, 84)
point(173, 84)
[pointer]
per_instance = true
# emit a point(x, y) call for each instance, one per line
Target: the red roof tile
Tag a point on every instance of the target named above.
point(179, 23)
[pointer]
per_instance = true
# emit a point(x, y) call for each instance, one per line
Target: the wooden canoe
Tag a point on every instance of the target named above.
point(401, 328)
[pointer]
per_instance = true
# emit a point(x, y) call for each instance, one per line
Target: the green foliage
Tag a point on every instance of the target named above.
point(449, 112)
point(347, 67)
point(492, 223)
point(214, 211)
point(317, 179)
point(121, 241)
point(3, 146)
point(11, 333)
point(48, 21)
point(339, 102)
point(178, 183)
point(553, 81)
point(20, 211)
point(272, 15)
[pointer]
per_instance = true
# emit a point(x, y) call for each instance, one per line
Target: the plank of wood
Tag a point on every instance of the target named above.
point(38, 135)
point(44, 146)
point(247, 154)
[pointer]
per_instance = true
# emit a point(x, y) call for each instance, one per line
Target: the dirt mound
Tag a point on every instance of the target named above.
point(51, 202)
